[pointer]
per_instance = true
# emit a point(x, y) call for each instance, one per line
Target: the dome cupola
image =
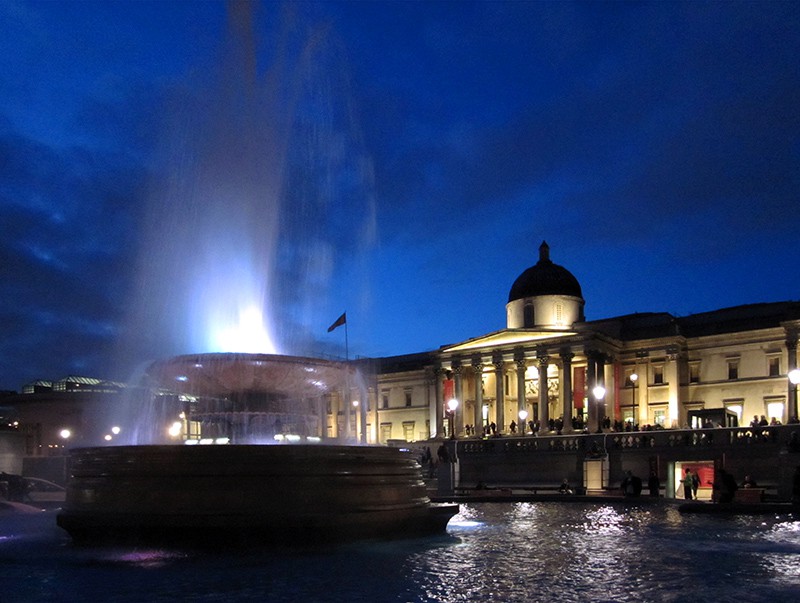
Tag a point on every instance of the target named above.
point(545, 295)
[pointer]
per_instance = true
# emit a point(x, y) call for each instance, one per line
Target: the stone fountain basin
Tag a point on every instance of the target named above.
point(276, 493)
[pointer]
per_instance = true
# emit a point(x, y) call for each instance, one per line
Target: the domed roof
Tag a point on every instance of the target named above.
point(545, 278)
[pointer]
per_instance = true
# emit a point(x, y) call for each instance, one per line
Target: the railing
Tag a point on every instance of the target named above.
point(783, 436)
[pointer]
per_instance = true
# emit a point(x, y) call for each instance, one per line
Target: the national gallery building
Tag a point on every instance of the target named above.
point(551, 371)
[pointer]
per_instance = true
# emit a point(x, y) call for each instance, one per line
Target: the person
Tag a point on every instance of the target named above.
point(427, 461)
point(443, 454)
point(695, 484)
point(749, 482)
point(564, 487)
point(688, 482)
point(513, 427)
point(631, 485)
point(725, 486)
point(654, 485)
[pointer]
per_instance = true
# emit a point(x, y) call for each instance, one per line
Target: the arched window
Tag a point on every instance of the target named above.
point(528, 317)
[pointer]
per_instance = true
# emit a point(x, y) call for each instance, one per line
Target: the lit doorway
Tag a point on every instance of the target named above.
point(705, 472)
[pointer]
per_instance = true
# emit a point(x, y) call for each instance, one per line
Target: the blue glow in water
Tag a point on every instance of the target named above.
point(492, 552)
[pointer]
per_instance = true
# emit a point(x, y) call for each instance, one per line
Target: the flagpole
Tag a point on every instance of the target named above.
point(346, 344)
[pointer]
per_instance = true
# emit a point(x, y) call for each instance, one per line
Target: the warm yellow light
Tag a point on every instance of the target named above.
point(599, 392)
point(634, 378)
point(523, 414)
point(452, 404)
point(175, 429)
point(65, 433)
point(107, 437)
point(794, 376)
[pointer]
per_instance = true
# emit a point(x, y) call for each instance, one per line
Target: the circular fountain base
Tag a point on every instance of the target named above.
point(298, 494)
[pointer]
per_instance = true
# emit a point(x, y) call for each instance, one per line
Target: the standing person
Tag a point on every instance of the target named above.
point(654, 485)
point(688, 482)
point(695, 484)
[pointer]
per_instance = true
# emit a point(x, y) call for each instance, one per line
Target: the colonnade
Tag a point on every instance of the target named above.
point(542, 358)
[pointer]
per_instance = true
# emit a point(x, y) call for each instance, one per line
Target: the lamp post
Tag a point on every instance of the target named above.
point(523, 415)
point(794, 379)
point(634, 401)
point(452, 405)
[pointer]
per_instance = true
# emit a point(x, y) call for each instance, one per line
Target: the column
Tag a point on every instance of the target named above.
point(791, 398)
point(459, 418)
point(640, 389)
point(500, 399)
point(348, 428)
point(438, 427)
point(671, 375)
point(363, 402)
point(591, 383)
point(612, 392)
point(519, 360)
point(544, 399)
point(477, 424)
point(565, 378)
point(600, 372)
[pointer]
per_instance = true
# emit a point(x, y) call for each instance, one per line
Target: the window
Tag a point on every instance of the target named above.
point(408, 397)
point(408, 431)
point(528, 316)
point(384, 399)
point(386, 432)
point(694, 372)
point(658, 374)
point(660, 417)
point(733, 369)
point(775, 407)
point(774, 366)
point(736, 406)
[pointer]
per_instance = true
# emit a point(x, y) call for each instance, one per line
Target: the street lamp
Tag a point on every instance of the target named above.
point(634, 402)
point(452, 404)
point(523, 415)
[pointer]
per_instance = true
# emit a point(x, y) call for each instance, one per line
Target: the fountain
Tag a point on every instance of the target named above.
point(224, 487)
point(234, 259)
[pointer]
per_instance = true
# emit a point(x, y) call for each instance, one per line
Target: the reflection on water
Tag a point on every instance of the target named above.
point(492, 552)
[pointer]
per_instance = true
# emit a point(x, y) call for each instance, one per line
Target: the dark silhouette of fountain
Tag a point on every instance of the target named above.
point(281, 493)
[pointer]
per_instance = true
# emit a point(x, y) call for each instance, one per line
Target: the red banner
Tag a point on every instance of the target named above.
point(449, 390)
point(578, 386)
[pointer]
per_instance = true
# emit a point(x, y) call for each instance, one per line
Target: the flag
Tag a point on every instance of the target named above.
point(338, 322)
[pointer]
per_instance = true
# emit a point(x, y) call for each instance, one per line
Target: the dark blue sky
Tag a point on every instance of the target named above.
point(431, 147)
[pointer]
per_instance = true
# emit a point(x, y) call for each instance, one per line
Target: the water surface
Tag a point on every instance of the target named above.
point(492, 552)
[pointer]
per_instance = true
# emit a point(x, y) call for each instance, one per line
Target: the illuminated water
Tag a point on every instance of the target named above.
point(492, 552)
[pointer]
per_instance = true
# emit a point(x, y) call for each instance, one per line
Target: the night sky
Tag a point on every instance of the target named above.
point(423, 151)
